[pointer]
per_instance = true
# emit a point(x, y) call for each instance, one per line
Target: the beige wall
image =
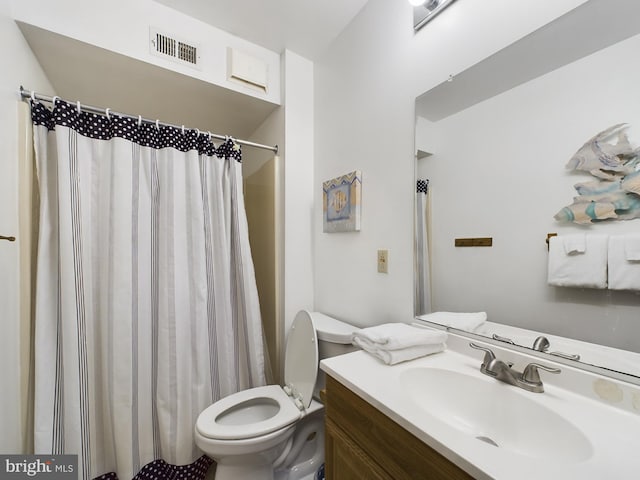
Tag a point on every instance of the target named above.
point(19, 68)
point(260, 192)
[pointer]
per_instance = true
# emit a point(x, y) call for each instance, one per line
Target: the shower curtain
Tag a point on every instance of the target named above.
point(146, 304)
point(422, 294)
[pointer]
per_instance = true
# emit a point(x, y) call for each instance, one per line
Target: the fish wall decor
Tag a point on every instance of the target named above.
point(615, 192)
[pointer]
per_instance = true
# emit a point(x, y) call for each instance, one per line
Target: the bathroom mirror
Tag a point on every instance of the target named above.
point(493, 142)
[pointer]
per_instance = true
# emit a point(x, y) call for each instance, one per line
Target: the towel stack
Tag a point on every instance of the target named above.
point(468, 321)
point(398, 342)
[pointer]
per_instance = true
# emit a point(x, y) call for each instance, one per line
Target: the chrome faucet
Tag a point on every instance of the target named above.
point(529, 379)
point(541, 344)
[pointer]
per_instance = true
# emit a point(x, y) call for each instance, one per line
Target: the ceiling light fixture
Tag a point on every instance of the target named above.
point(426, 10)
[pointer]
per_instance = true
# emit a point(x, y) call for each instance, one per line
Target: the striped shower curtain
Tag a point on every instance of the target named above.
point(146, 303)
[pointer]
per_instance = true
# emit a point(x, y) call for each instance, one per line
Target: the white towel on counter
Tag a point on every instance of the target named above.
point(394, 336)
point(391, 357)
point(624, 272)
point(398, 342)
point(468, 321)
point(587, 269)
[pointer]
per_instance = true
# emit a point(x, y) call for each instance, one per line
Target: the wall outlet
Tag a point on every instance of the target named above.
point(383, 261)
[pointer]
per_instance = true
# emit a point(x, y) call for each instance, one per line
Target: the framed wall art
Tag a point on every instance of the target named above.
point(341, 200)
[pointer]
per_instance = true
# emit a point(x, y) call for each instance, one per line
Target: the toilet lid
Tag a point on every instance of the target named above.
point(331, 329)
point(301, 357)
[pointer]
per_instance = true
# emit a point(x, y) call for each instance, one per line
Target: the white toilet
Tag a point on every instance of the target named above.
point(277, 432)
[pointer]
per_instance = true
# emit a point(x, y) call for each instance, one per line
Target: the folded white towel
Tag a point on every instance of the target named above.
point(394, 336)
point(576, 243)
point(632, 247)
point(624, 274)
point(587, 269)
point(468, 321)
point(391, 357)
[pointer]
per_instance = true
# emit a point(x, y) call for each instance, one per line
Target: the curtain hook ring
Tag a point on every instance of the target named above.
point(106, 112)
point(78, 106)
point(53, 101)
point(209, 135)
point(33, 96)
point(197, 132)
point(157, 124)
point(139, 120)
point(182, 129)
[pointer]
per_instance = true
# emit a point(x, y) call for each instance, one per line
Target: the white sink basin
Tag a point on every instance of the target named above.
point(496, 414)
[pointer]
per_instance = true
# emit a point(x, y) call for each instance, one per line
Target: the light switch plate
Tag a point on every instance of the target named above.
point(383, 261)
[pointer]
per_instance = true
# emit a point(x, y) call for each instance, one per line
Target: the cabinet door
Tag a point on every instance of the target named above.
point(345, 460)
point(377, 444)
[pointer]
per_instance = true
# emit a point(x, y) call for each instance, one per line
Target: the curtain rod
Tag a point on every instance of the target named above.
point(103, 111)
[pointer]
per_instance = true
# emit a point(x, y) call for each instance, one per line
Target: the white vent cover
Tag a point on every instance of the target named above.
point(246, 69)
point(168, 46)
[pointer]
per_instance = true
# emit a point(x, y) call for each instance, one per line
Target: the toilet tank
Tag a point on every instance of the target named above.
point(334, 338)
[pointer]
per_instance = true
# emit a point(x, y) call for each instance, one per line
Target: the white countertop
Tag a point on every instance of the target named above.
point(613, 432)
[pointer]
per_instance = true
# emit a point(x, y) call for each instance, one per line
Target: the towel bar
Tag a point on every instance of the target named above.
point(474, 242)
point(549, 235)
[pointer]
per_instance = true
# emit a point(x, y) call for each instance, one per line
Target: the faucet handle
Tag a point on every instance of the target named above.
point(541, 344)
point(567, 356)
point(531, 375)
point(489, 356)
point(495, 336)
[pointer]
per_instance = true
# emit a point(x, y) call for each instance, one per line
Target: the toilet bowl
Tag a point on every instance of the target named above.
point(256, 433)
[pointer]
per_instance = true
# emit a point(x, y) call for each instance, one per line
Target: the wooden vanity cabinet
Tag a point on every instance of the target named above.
point(363, 443)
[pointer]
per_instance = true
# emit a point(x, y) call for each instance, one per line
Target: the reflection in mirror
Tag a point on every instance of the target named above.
point(422, 283)
point(426, 10)
point(493, 145)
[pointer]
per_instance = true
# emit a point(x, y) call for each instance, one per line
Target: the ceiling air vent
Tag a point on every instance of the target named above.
point(168, 46)
point(248, 70)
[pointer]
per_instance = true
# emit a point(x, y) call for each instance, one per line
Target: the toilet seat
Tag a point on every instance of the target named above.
point(262, 410)
point(211, 422)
